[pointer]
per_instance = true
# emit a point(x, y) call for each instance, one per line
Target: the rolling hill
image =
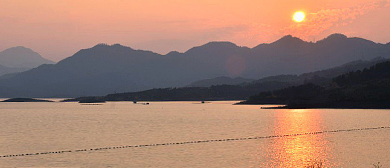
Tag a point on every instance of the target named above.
point(363, 89)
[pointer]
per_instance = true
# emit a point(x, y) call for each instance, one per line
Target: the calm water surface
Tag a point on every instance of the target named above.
point(46, 127)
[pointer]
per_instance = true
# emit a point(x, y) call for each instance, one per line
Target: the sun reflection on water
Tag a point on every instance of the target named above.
point(298, 151)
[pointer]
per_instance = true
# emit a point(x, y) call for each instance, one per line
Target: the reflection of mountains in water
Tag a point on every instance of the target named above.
point(107, 69)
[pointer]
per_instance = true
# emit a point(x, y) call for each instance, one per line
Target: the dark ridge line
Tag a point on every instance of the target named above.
point(190, 142)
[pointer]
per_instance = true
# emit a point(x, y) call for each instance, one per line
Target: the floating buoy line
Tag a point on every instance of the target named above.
point(188, 142)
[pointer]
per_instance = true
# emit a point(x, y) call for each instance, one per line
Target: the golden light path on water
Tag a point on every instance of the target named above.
point(189, 134)
point(299, 151)
point(297, 141)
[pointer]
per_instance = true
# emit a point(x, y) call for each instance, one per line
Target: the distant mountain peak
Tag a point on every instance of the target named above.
point(18, 48)
point(173, 53)
point(219, 44)
point(288, 40)
point(105, 45)
point(289, 36)
point(337, 37)
point(214, 45)
point(22, 57)
point(343, 39)
point(101, 45)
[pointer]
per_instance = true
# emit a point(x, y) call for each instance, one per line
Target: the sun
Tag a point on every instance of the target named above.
point(299, 16)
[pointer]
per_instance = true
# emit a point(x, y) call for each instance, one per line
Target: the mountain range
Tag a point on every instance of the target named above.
point(105, 69)
point(214, 89)
point(7, 70)
point(19, 59)
point(321, 77)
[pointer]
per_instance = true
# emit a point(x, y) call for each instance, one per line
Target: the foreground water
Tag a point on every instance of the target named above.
point(48, 127)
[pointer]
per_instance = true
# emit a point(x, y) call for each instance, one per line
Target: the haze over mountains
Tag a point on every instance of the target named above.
point(318, 77)
point(367, 89)
point(214, 89)
point(18, 59)
point(105, 69)
point(222, 80)
point(7, 70)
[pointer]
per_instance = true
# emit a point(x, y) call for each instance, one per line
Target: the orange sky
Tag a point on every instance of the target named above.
point(59, 28)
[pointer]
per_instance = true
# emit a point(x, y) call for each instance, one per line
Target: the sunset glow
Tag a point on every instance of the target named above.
point(299, 16)
point(195, 83)
point(58, 29)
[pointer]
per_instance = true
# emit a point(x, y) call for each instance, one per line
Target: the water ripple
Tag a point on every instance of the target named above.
point(189, 142)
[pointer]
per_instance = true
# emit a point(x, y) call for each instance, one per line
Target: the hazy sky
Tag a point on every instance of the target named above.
point(59, 28)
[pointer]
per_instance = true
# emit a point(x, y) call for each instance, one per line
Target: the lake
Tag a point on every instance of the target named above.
point(190, 134)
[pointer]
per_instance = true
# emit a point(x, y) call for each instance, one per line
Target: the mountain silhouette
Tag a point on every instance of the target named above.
point(217, 89)
point(222, 80)
point(105, 69)
point(322, 77)
point(362, 89)
point(21, 57)
point(7, 70)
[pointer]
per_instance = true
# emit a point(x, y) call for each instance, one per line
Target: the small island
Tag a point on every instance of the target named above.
point(87, 100)
point(26, 100)
point(92, 100)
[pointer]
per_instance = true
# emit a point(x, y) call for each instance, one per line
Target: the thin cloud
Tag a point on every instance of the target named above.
point(318, 22)
point(251, 34)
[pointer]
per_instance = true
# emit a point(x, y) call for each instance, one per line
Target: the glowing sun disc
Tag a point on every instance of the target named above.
point(299, 16)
